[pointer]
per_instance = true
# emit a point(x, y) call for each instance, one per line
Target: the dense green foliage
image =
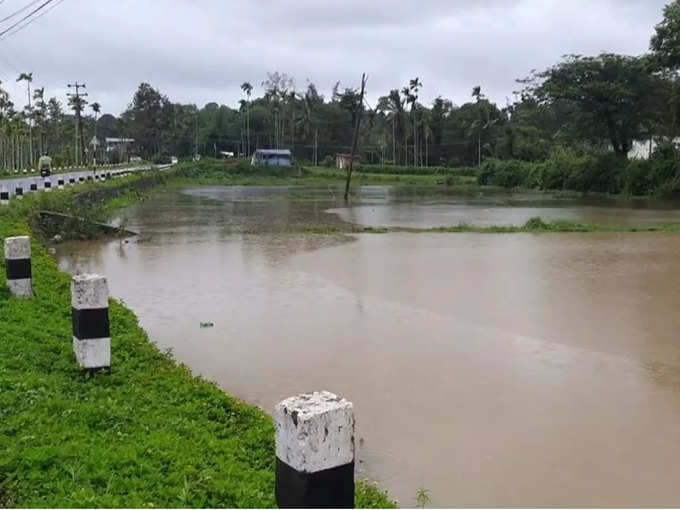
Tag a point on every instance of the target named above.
point(589, 171)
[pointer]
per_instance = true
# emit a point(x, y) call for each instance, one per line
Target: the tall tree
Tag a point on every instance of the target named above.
point(665, 43)
point(28, 78)
point(414, 86)
point(665, 47)
point(96, 108)
point(610, 95)
point(248, 89)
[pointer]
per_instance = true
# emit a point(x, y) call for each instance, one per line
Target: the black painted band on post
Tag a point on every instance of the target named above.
point(47, 184)
point(19, 191)
point(4, 195)
point(34, 187)
point(330, 488)
point(60, 182)
point(90, 323)
point(18, 269)
point(71, 180)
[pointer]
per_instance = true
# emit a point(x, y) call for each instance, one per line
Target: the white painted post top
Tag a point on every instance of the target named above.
point(315, 431)
point(89, 291)
point(18, 247)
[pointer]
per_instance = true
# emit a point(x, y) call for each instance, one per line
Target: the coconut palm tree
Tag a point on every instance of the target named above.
point(39, 115)
point(248, 89)
point(28, 78)
point(393, 105)
point(96, 108)
point(414, 85)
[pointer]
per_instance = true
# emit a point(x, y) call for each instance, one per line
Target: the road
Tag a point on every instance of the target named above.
point(26, 181)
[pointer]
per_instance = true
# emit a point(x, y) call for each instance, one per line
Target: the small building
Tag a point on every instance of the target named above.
point(276, 157)
point(118, 143)
point(226, 154)
point(342, 160)
point(643, 149)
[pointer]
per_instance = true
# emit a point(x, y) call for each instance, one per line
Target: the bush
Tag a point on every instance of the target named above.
point(510, 173)
point(639, 178)
point(215, 169)
point(564, 169)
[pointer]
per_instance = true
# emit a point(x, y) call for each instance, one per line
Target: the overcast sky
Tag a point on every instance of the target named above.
point(197, 51)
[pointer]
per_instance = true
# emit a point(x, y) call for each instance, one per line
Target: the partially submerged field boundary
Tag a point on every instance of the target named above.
point(536, 225)
point(533, 226)
point(146, 434)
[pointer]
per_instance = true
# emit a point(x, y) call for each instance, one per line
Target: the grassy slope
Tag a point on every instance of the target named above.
point(147, 434)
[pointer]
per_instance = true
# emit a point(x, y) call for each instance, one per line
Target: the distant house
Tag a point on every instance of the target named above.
point(276, 157)
point(342, 160)
point(117, 143)
point(643, 149)
point(226, 154)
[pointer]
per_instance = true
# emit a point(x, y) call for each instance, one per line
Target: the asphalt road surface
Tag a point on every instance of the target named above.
point(26, 181)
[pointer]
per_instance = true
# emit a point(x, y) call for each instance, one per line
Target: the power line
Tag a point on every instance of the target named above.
point(37, 9)
point(19, 11)
point(35, 18)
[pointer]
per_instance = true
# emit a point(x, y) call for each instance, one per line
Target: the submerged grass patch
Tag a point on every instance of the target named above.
point(537, 226)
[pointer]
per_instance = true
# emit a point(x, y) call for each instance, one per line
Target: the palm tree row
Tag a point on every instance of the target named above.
point(40, 128)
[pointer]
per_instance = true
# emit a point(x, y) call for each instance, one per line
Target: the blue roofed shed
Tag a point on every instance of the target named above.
point(277, 157)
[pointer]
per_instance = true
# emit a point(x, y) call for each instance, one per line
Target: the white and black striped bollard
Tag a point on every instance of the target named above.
point(33, 187)
point(315, 451)
point(47, 185)
point(19, 191)
point(60, 184)
point(90, 315)
point(18, 265)
point(81, 179)
point(71, 181)
point(4, 196)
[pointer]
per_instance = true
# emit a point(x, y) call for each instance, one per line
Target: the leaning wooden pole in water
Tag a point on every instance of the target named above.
point(355, 139)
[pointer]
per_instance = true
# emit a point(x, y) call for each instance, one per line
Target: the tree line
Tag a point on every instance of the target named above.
point(588, 104)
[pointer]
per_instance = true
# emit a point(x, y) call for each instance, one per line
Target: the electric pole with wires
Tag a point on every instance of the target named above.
point(77, 103)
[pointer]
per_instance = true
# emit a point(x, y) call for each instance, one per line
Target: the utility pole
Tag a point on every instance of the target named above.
point(77, 103)
point(316, 147)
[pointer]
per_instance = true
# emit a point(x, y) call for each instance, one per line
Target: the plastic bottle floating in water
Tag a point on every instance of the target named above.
point(207, 324)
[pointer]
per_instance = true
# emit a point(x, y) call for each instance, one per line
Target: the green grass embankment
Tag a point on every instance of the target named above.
point(147, 434)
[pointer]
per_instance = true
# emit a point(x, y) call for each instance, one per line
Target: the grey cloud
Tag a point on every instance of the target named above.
point(202, 50)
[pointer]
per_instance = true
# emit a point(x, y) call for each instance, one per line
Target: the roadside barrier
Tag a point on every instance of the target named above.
point(314, 451)
point(47, 185)
point(4, 196)
point(18, 265)
point(19, 192)
point(90, 317)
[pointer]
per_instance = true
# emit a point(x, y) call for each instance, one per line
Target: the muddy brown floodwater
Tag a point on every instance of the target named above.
point(493, 370)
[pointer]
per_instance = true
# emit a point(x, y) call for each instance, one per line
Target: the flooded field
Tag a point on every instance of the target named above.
point(493, 370)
